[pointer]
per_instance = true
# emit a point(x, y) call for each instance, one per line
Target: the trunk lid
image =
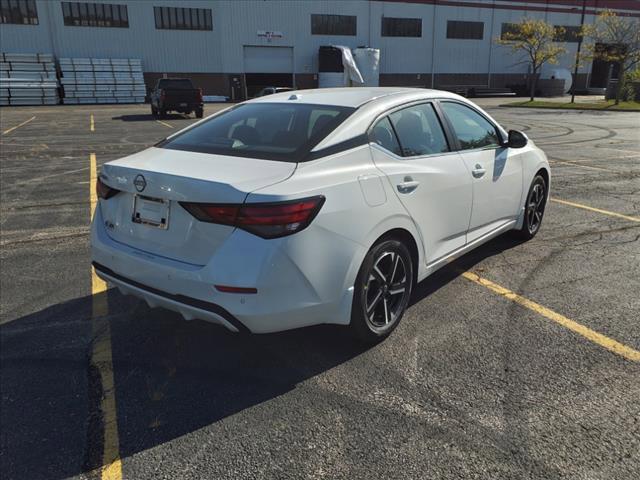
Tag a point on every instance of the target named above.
point(154, 181)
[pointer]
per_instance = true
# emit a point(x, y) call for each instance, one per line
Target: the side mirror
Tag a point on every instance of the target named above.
point(517, 139)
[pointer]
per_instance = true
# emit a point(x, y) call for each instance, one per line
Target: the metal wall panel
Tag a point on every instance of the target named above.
point(243, 22)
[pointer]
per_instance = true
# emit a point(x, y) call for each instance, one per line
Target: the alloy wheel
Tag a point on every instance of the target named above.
point(535, 207)
point(386, 291)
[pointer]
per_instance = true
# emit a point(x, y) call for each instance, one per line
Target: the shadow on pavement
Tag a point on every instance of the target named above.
point(172, 376)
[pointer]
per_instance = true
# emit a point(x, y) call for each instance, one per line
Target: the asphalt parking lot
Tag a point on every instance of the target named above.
point(476, 382)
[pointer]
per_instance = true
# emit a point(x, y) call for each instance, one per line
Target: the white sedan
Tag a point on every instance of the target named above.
point(313, 206)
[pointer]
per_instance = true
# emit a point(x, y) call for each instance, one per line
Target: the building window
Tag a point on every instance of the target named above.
point(85, 14)
point(567, 33)
point(333, 24)
point(20, 12)
point(401, 27)
point(512, 29)
point(172, 18)
point(465, 30)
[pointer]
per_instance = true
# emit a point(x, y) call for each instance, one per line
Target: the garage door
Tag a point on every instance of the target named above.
point(268, 59)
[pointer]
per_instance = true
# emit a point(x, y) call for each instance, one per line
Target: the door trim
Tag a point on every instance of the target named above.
point(448, 258)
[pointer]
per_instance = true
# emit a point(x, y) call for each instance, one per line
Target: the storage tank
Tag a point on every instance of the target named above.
point(561, 74)
point(368, 61)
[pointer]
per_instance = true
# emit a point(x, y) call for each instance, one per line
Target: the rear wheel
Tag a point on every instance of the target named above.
point(163, 113)
point(533, 209)
point(199, 113)
point(382, 291)
point(154, 111)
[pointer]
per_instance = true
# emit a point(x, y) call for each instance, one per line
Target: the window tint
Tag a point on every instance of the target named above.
point(510, 31)
point(319, 118)
point(401, 27)
point(471, 128)
point(465, 30)
point(83, 14)
point(383, 135)
point(178, 18)
point(175, 83)
point(333, 24)
point(273, 131)
point(567, 33)
point(419, 131)
point(20, 12)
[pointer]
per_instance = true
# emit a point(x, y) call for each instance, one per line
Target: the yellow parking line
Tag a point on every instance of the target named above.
point(92, 126)
point(9, 130)
point(164, 123)
point(591, 335)
point(597, 210)
point(101, 358)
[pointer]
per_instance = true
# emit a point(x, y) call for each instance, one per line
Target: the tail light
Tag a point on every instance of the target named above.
point(105, 191)
point(162, 96)
point(267, 220)
point(200, 95)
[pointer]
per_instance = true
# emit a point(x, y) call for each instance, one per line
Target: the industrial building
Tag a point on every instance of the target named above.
point(232, 47)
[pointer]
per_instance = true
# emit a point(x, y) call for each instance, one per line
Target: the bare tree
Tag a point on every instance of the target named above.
point(535, 40)
point(614, 39)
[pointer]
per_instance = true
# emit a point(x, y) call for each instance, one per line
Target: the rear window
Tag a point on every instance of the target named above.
point(271, 131)
point(176, 84)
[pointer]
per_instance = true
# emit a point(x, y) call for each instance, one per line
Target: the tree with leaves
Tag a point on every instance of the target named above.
point(535, 41)
point(616, 40)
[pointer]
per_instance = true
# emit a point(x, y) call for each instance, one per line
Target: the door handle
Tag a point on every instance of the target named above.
point(408, 186)
point(478, 171)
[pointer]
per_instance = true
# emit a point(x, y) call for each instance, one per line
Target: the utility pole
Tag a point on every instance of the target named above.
point(575, 71)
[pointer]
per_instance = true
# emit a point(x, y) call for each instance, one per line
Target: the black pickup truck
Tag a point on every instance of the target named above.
point(176, 95)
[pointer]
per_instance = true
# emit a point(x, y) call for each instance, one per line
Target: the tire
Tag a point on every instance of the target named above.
point(199, 113)
point(376, 309)
point(533, 209)
point(154, 111)
point(163, 113)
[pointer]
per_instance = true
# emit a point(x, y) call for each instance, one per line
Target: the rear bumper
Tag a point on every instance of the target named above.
point(293, 289)
point(190, 308)
point(176, 107)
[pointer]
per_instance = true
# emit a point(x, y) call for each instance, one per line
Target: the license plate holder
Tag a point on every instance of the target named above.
point(150, 211)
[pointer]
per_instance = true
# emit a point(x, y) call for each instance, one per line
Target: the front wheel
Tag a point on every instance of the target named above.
point(199, 113)
point(382, 291)
point(533, 209)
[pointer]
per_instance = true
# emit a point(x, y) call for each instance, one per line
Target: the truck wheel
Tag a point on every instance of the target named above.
point(154, 111)
point(163, 113)
point(199, 113)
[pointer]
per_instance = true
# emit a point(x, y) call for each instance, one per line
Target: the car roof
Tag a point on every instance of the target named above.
point(350, 96)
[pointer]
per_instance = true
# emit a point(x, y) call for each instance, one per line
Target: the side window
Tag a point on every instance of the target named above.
point(419, 131)
point(383, 135)
point(471, 128)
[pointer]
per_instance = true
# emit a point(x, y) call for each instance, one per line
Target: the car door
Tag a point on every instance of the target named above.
point(496, 178)
point(409, 145)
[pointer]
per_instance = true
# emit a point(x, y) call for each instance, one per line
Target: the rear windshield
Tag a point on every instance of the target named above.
point(271, 131)
point(176, 84)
